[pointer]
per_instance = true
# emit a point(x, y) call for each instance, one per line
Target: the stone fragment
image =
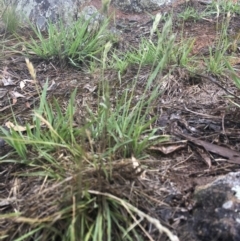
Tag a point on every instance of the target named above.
point(216, 214)
point(40, 12)
point(139, 6)
point(91, 14)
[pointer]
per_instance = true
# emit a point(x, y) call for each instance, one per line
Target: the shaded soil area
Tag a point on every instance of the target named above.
point(195, 109)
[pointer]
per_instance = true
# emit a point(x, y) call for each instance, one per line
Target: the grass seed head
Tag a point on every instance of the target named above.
point(31, 69)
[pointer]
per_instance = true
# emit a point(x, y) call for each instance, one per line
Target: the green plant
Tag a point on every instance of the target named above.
point(50, 130)
point(149, 53)
point(11, 19)
point(105, 6)
point(190, 13)
point(145, 53)
point(89, 216)
point(182, 51)
point(84, 214)
point(74, 164)
point(119, 62)
point(228, 6)
point(233, 74)
point(75, 45)
point(83, 157)
point(123, 128)
point(217, 60)
point(222, 7)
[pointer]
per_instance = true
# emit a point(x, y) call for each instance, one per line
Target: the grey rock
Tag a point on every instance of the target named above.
point(216, 213)
point(40, 12)
point(91, 14)
point(139, 6)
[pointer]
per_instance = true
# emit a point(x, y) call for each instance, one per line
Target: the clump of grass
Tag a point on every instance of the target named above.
point(190, 13)
point(11, 19)
point(49, 131)
point(124, 128)
point(222, 7)
point(235, 77)
point(150, 52)
point(119, 62)
point(74, 44)
point(57, 149)
point(227, 6)
point(105, 6)
point(217, 60)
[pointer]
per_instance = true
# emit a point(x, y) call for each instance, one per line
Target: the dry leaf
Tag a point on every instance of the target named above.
point(24, 81)
point(137, 166)
point(232, 155)
point(29, 80)
point(10, 125)
point(7, 82)
point(205, 156)
point(168, 148)
point(28, 105)
point(14, 101)
point(31, 52)
point(22, 84)
point(135, 162)
point(51, 86)
point(89, 87)
point(15, 94)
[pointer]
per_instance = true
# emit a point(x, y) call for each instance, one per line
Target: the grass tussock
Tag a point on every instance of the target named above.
point(76, 44)
point(10, 18)
point(84, 159)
